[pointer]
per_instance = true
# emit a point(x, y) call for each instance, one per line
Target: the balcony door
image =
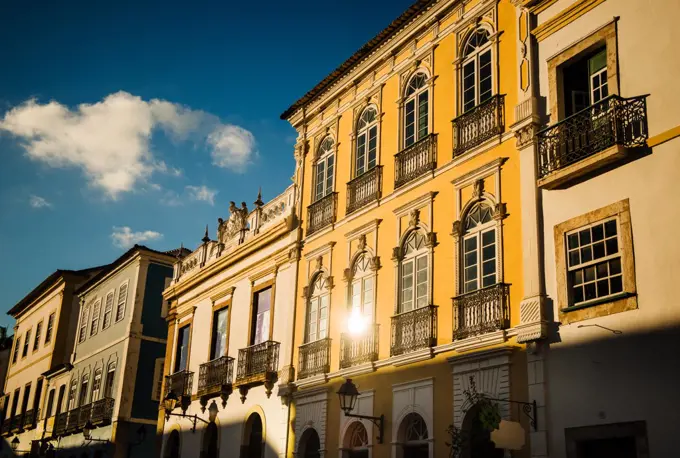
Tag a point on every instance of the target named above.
point(182, 351)
point(218, 345)
point(261, 321)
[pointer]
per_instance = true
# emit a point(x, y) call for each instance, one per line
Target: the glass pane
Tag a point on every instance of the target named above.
point(361, 154)
point(422, 114)
point(578, 277)
point(589, 273)
point(610, 228)
point(590, 290)
point(572, 241)
point(372, 147)
point(578, 294)
point(470, 244)
point(485, 80)
point(488, 268)
point(410, 122)
point(598, 232)
point(586, 254)
point(329, 175)
point(615, 266)
point(574, 258)
point(489, 238)
point(602, 271)
point(469, 85)
point(616, 285)
point(584, 236)
point(612, 246)
point(598, 250)
point(602, 288)
point(489, 252)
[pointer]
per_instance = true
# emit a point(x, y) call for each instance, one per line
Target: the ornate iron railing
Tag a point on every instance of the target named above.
point(215, 374)
point(84, 415)
point(612, 121)
point(102, 411)
point(257, 360)
point(30, 419)
point(414, 330)
point(481, 311)
point(478, 125)
point(322, 213)
point(72, 422)
point(355, 350)
point(7, 427)
point(179, 383)
point(415, 160)
point(60, 422)
point(364, 189)
point(17, 423)
point(314, 358)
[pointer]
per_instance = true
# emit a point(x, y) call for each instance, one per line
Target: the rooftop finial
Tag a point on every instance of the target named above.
point(181, 250)
point(258, 202)
point(206, 238)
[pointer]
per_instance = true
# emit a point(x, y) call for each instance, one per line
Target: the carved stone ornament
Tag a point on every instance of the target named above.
point(431, 239)
point(415, 218)
point(478, 189)
point(362, 242)
point(305, 292)
point(397, 253)
point(374, 263)
point(347, 275)
point(243, 391)
point(329, 282)
point(500, 211)
point(525, 136)
point(319, 263)
point(457, 229)
point(237, 222)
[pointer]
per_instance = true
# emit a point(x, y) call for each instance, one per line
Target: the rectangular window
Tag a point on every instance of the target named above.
point(27, 339)
point(50, 404)
point(38, 335)
point(72, 394)
point(24, 400)
point(479, 263)
point(469, 86)
point(50, 328)
point(108, 384)
point(96, 310)
point(585, 81)
point(218, 346)
point(362, 298)
point(84, 385)
point(17, 344)
point(372, 147)
point(423, 114)
point(261, 316)
point(15, 401)
point(361, 154)
point(597, 67)
point(60, 399)
point(96, 385)
point(108, 310)
point(82, 331)
point(329, 174)
point(485, 86)
point(122, 298)
point(182, 350)
point(414, 283)
point(157, 387)
point(317, 319)
point(594, 262)
point(410, 123)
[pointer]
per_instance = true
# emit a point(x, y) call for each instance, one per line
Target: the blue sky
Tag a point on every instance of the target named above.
point(140, 121)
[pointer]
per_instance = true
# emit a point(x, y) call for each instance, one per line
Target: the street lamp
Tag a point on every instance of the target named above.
point(348, 394)
point(15, 443)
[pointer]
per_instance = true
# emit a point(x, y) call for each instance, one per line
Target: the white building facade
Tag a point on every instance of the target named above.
point(602, 124)
point(230, 330)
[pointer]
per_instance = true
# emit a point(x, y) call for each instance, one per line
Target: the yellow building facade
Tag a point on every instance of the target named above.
point(414, 253)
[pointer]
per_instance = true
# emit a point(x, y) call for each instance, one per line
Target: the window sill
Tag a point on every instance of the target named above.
point(604, 300)
point(622, 302)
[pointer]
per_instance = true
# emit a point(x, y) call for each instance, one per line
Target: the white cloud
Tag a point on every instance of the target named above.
point(233, 147)
point(123, 237)
point(202, 193)
point(109, 141)
point(39, 202)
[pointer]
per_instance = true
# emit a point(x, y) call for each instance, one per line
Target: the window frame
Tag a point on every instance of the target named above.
point(217, 308)
point(323, 157)
point(478, 233)
point(415, 98)
point(27, 343)
point(474, 57)
point(17, 349)
point(110, 376)
point(322, 278)
point(360, 278)
point(96, 391)
point(94, 318)
point(364, 131)
point(252, 322)
point(177, 356)
point(83, 324)
point(422, 252)
point(122, 305)
point(50, 327)
point(37, 336)
point(108, 309)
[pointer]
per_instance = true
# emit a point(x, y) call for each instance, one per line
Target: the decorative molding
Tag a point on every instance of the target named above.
point(308, 382)
point(411, 357)
point(262, 274)
point(222, 294)
point(479, 173)
point(525, 136)
point(319, 251)
point(416, 203)
point(564, 18)
point(363, 229)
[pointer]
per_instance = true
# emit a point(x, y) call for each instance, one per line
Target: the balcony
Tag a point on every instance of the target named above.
point(482, 123)
point(322, 213)
point(415, 160)
point(179, 383)
point(30, 419)
point(258, 363)
point(414, 330)
point(364, 189)
point(215, 375)
point(356, 350)
point(482, 311)
point(60, 423)
point(102, 411)
point(17, 424)
point(315, 358)
point(591, 138)
point(7, 427)
point(72, 422)
point(84, 415)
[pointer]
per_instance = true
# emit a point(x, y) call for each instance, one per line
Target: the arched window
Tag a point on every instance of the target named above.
point(356, 441)
point(413, 437)
point(310, 444)
point(317, 310)
point(253, 440)
point(367, 141)
point(325, 163)
point(362, 288)
point(416, 109)
point(477, 69)
point(414, 273)
point(479, 248)
point(172, 445)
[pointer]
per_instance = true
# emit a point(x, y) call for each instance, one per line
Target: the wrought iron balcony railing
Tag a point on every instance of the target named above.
point(30, 419)
point(478, 125)
point(414, 330)
point(215, 374)
point(322, 213)
point(355, 350)
point(415, 160)
point(481, 311)
point(315, 358)
point(60, 422)
point(102, 411)
point(612, 121)
point(364, 189)
point(7, 427)
point(17, 424)
point(257, 361)
point(72, 422)
point(84, 415)
point(179, 383)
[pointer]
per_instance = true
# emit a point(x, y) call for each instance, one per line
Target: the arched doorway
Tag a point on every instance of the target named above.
point(253, 446)
point(172, 445)
point(478, 443)
point(355, 443)
point(413, 437)
point(209, 447)
point(310, 444)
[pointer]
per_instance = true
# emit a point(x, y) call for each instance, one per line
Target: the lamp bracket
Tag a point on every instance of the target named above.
point(528, 408)
point(379, 422)
point(192, 418)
